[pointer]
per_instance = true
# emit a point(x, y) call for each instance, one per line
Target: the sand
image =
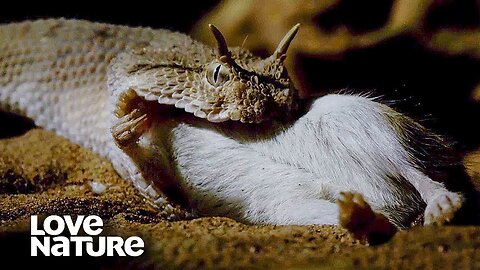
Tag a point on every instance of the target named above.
point(43, 174)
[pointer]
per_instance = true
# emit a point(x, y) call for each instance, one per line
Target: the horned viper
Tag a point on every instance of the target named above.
point(219, 129)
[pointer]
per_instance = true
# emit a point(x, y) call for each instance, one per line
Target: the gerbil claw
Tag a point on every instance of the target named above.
point(127, 129)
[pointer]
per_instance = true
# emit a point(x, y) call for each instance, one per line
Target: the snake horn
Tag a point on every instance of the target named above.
point(287, 39)
point(224, 53)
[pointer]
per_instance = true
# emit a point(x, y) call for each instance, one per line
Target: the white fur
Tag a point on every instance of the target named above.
point(343, 143)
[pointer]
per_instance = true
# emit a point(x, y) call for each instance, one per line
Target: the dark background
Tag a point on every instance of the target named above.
point(174, 15)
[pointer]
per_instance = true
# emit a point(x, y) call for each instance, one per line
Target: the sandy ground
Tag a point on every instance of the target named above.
point(43, 174)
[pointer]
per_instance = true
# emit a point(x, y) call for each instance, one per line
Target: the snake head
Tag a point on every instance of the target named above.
point(218, 85)
point(247, 88)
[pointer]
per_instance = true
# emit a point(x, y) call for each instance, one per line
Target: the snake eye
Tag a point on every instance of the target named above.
point(217, 74)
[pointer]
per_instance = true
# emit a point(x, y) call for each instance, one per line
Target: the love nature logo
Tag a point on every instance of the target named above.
point(48, 240)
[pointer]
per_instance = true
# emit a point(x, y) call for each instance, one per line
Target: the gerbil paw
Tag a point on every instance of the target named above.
point(359, 219)
point(442, 208)
point(127, 129)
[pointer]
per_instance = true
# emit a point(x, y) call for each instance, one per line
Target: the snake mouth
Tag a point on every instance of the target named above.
point(202, 109)
point(207, 111)
point(230, 113)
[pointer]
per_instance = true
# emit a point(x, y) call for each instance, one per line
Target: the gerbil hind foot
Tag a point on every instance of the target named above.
point(358, 218)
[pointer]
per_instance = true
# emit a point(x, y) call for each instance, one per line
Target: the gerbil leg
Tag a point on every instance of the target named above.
point(441, 203)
